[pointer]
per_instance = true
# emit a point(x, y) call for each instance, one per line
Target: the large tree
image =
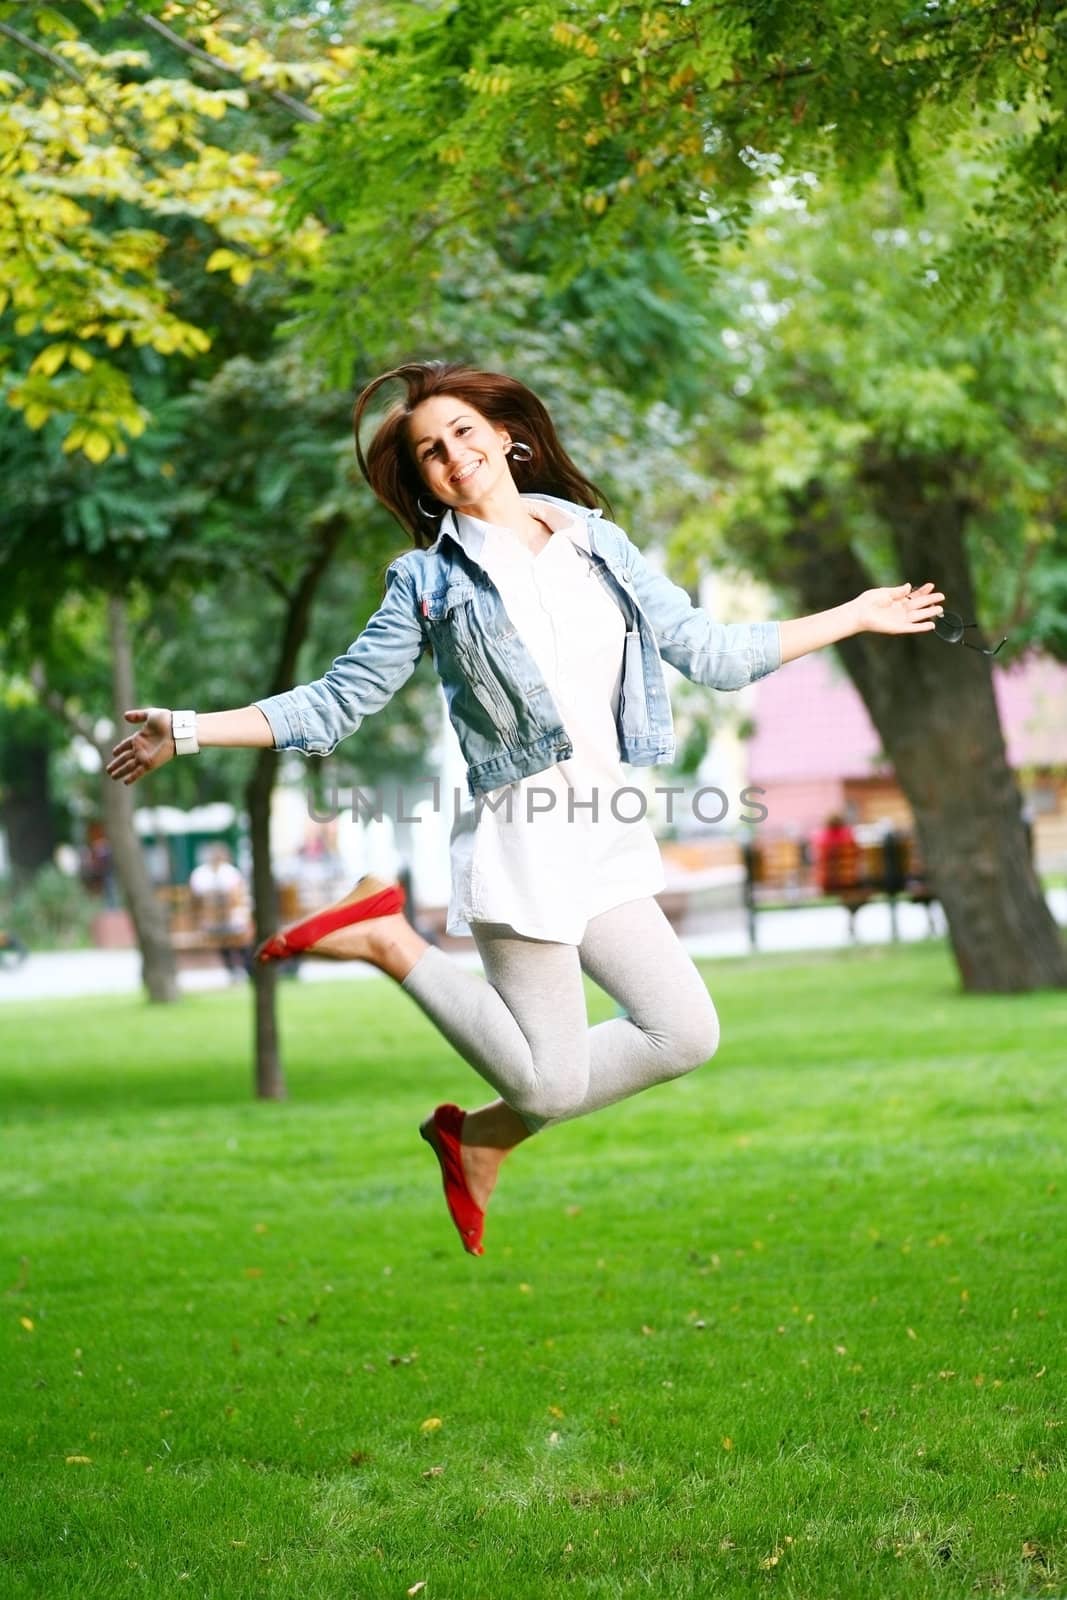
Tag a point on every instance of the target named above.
point(858, 439)
point(143, 244)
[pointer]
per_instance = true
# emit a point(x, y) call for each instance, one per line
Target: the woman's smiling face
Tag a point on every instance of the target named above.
point(460, 454)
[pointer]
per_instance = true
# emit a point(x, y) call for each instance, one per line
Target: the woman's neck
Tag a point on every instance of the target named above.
point(505, 508)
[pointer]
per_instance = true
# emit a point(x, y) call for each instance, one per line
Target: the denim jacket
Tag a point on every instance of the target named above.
point(441, 599)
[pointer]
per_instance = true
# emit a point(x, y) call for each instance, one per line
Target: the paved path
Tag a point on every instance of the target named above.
point(56, 975)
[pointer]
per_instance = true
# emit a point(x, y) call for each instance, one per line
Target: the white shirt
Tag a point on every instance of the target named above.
point(220, 890)
point(534, 856)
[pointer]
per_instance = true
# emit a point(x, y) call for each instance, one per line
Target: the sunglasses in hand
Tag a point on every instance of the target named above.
point(951, 627)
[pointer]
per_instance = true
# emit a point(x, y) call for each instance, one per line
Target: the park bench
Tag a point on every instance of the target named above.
point(782, 873)
point(191, 933)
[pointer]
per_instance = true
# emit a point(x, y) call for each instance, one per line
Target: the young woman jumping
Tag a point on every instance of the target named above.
point(548, 630)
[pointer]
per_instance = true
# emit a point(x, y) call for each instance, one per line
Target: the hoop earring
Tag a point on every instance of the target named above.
point(519, 452)
point(434, 511)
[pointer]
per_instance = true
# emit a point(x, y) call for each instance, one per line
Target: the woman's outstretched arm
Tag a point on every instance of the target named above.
point(731, 655)
point(313, 717)
point(897, 610)
point(153, 743)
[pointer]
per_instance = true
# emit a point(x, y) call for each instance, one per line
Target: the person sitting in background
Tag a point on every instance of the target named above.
point(837, 860)
point(221, 905)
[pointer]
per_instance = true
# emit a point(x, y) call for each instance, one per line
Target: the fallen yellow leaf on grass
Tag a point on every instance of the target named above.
point(728, 1443)
point(79, 1461)
point(27, 1323)
point(429, 1425)
point(417, 1588)
point(554, 1411)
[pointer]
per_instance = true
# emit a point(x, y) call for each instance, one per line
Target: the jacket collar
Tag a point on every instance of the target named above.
point(467, 531)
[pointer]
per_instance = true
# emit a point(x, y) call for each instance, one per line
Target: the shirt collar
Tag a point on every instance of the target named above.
point(469, 533)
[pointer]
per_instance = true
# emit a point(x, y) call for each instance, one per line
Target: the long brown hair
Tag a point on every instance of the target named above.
point(389, 466)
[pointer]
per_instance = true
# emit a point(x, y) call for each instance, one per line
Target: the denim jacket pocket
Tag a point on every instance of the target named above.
point(461, 654)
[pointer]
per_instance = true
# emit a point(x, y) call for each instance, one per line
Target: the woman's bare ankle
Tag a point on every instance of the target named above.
point(394, 947)
point(494, 1127)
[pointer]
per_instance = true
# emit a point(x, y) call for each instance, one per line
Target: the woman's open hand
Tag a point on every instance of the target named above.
point(899, 610)
point(143, 751)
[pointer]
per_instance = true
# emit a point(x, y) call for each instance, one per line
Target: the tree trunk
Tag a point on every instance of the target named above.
point(269, 1071)
point(158, 969)
point(933, 705)
point(26, 809)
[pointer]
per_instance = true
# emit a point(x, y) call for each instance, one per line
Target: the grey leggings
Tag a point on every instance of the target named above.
point(527, 1033)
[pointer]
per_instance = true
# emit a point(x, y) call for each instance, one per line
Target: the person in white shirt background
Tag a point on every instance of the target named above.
point(221, 903)
point(471, 465)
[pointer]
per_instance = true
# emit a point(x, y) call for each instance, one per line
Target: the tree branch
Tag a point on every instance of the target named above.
point(326, 539)
point(24, 41)
point(273, 580)
point(70, 71)
point(58, 705)
point(297, 108)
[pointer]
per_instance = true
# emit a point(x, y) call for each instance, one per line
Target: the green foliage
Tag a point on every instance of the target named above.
point(111, 182)
point(1042, 620)
point(572, 148)
point(597, 130)
point(52, 912)
point(843, 370)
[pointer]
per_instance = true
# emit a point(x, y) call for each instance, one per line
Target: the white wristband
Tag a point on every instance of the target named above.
point(183, 730)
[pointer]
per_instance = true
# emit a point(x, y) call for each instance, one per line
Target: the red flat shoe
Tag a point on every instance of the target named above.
point(442, 1133)
point(370, 898)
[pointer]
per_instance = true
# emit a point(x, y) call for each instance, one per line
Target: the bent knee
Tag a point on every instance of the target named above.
point(552, 1100)
point(694, 1039)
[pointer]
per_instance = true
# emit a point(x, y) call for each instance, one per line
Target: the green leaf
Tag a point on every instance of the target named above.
point(54, 22)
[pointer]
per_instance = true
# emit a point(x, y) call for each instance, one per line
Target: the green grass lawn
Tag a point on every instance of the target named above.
point(793, 1325)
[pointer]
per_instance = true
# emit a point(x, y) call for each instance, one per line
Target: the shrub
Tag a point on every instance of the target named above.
point(53, 912)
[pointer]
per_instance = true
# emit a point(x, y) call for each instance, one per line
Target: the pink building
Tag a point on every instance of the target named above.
point(815, 750)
